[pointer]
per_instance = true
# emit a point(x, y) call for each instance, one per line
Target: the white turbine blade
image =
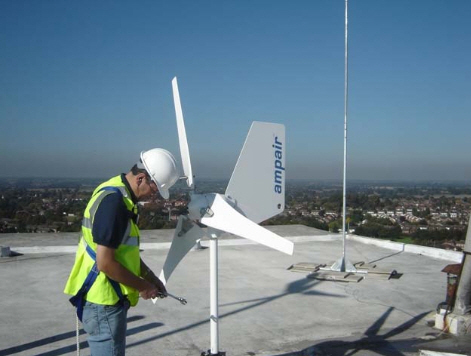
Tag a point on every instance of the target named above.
point(185, 237)
point(224, 217)
point(184, 151)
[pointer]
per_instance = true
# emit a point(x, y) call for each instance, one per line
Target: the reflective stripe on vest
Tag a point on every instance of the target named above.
point(88, 222)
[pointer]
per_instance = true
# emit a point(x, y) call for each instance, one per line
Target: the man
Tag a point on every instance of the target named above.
point(108, 275)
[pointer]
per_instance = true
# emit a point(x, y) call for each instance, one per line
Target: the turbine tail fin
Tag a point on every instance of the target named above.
point(258, 181)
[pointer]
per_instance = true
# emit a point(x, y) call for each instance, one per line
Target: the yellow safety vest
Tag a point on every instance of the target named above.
point(127, 254)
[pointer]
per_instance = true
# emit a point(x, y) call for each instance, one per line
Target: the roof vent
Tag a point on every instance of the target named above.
point(5, 251)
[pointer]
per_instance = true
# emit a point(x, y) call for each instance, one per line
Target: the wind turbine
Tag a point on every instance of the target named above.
point(256, 192)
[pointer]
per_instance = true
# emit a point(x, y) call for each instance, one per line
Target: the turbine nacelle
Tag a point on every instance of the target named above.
point(201, 205)
point(219, 212)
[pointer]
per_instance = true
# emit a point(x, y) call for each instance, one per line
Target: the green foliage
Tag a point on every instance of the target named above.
point(404, 240)
point(312, 222)
point(380, 221)
point(335, 226)
point(439, 235)
point(356, 216)
point(375, 229)
point(300, 220)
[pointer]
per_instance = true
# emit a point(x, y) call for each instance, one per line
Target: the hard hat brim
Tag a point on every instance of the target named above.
point(163, 192)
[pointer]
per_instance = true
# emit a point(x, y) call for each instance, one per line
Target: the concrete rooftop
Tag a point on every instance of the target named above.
point(265, 309)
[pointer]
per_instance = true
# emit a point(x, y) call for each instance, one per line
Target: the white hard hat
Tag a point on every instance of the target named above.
point(162, 168)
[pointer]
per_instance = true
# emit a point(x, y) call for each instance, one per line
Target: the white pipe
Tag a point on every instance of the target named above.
point(213, 279)
point(463, 292)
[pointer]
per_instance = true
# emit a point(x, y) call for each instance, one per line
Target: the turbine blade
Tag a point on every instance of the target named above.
point(185, 237)
point(184, 150)
point(224, 217)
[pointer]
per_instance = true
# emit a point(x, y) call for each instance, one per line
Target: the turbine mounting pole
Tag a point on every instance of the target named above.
point(214, 308)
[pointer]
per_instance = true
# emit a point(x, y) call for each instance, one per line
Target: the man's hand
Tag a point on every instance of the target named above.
point(150, 277)
point(159, 285)
point(148, 290)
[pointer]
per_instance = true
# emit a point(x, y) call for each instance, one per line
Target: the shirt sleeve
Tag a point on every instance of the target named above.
point(110, 221)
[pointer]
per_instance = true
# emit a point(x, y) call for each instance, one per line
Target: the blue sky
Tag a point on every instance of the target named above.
point(86, 85)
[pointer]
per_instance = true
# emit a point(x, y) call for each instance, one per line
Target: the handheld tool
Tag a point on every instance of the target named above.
point(180, 299)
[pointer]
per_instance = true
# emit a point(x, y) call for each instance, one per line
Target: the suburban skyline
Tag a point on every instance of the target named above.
point(86, 86)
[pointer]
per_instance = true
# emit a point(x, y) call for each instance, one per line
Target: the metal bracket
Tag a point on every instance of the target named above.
point(206, 212)
point(208, 353)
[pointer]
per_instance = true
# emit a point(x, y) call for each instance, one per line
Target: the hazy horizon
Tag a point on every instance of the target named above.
point(288, 180)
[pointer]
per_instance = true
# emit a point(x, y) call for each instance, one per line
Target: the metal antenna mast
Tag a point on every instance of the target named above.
point(343, 264)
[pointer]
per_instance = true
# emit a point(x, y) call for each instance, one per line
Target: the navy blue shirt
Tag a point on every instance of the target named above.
point(111, 218)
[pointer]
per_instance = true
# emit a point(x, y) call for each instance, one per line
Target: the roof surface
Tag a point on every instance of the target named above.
point(264, 308)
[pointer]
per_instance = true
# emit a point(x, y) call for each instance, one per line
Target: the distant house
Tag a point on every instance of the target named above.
point(331, 214)
point(305, 212)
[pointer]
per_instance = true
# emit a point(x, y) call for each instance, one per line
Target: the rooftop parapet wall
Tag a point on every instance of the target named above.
point(439, 253)
point(160, 239)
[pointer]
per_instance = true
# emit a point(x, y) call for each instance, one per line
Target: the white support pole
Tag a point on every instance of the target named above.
point(463, 293)
point(213, 276)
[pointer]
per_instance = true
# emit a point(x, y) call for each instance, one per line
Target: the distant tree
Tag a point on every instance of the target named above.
point(335, 226)
point(373, 202)
point(422, 236)
point(427, 211)
point(312, 222)
point(22, 226)
point(356, 216)
point(380, 228)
